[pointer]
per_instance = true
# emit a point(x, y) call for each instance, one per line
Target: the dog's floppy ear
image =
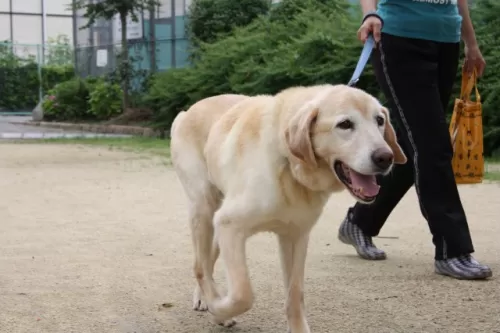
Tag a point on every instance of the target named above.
point(391, 139)
point(298, 135)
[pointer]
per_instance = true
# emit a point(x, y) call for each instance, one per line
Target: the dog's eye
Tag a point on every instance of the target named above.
point(380, 120)
point(345, 125)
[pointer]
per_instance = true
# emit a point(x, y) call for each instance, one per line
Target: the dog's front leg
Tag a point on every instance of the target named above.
point(293, 257)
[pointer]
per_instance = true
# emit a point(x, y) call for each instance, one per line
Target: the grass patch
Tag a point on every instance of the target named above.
point(492, 169)
point(493, 160)
point(152, 146)
point(492, 175)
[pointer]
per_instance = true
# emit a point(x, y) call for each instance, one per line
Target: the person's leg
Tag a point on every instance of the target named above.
point(408, 70)
point(362, 221)
point(448, 61)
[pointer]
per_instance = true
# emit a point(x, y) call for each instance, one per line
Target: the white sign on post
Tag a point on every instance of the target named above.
point(134, 29)
point(102, 58)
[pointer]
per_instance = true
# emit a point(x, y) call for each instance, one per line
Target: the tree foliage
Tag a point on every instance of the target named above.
point(59, 51)
point(210, 20)
point(487, 24)
point(107, 10)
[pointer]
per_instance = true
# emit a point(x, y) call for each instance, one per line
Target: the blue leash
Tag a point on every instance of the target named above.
point(363, 60)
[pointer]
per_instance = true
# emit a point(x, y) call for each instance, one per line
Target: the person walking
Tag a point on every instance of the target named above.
point(415, 62)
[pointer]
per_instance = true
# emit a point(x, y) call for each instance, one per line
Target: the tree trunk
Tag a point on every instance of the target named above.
point(152, 40)
point(125, 70)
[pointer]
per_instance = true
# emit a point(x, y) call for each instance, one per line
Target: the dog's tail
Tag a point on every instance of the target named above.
point(176, 121)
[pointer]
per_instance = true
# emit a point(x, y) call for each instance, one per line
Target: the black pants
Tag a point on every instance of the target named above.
point(417, 77)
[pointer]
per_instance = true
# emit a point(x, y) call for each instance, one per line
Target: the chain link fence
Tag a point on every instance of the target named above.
point(145, 57)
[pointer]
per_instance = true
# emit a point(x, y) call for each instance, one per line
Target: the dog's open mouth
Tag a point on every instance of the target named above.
point(363, 187)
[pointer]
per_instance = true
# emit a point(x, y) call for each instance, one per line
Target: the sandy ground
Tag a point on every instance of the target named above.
point(95, 241)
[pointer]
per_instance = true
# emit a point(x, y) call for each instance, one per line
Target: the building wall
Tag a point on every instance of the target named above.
point(21, 21)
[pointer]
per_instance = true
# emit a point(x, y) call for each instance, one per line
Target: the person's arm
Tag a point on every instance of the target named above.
point(368, 6)
point(468, 33)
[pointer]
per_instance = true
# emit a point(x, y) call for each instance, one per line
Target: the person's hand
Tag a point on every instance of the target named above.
point(474, 58)
point(372, 25)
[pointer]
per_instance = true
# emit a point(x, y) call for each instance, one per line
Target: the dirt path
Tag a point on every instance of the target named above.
point(96, 241)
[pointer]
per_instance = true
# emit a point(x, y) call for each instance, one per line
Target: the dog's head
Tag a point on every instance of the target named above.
point(350, 131)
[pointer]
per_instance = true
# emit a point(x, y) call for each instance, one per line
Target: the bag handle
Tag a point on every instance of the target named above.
point(468, 83)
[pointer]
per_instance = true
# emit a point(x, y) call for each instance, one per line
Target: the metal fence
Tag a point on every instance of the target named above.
point(144, 55)
point(52, 54)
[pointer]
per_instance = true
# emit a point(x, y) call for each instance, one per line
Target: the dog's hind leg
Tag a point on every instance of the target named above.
point(206, 253)
point(198, 299)
point(202, 233)
point(231, 240)
point(203, 200)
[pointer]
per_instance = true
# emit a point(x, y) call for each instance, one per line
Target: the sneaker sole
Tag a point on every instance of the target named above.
point(485, 276)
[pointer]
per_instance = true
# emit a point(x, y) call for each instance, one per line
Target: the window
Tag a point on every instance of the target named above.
point(61, 7)
point(4, 27)
point(4, 6)
point(165, 10)
point(27, 6)
point(27, 29)
point(59, 26)
point(179, 7)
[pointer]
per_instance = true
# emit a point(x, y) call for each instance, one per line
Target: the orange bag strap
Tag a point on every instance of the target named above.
point(468, 83)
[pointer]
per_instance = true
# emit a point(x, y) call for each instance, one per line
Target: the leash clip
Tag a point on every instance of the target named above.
point(363, 60)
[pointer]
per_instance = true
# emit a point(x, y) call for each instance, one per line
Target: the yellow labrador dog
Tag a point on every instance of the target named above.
point(270, 163)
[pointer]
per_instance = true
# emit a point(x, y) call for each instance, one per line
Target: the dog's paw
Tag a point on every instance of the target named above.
point(228, 323)
point(199, 305)
point(198, 302)
point(299, 330)
point(224, 323)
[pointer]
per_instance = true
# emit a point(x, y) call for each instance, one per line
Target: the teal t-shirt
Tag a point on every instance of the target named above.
point(435, 20)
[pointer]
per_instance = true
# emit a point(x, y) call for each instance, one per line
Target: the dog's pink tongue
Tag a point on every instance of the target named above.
point(366, 185)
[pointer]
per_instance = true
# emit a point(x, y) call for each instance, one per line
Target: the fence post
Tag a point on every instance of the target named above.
point(39, 59)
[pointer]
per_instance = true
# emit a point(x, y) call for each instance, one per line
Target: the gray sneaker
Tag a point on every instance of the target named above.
point(351, 234)
point(464, 268)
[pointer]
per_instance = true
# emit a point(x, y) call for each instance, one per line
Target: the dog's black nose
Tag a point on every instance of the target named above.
point(382, 158)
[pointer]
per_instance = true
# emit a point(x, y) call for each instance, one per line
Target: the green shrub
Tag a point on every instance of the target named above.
point(19, 86)
point(52, 75)
point(50, 106)
point(487, 21)
point(105, 100)
point(68, 101)
point(170, 93)
point(213, 19)
point(88, 99)
point(20, 82)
